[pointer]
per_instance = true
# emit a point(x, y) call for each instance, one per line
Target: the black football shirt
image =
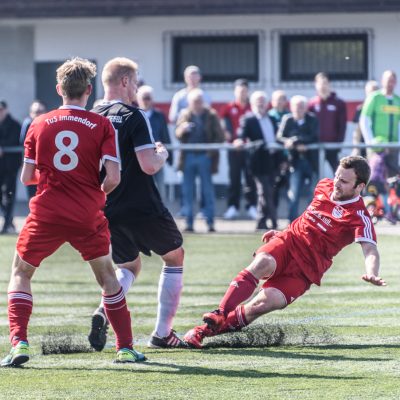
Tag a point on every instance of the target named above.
point(136, 197)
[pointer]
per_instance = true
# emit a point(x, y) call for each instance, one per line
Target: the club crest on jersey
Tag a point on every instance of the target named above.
point(337, 212)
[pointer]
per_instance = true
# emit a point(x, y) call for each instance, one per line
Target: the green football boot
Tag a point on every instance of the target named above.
point(129, 356)
point(18, 355)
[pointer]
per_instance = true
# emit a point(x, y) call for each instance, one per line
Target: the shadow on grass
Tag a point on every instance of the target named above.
point(295, 354)
point(175, 369)
point(357, 346)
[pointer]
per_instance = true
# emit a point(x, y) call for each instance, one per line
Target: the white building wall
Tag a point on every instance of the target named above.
point(143, 39)
point(146, 40)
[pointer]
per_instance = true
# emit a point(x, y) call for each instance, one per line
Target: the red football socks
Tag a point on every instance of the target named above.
point(240, 289)
point(120, 319)
point(235, 321)
point(19, 310)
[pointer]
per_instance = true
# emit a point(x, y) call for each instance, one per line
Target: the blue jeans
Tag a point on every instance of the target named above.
point(301, 171)
point(198, 164)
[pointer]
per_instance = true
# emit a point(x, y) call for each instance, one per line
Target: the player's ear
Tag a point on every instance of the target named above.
point(89, 89)
point(59, 90)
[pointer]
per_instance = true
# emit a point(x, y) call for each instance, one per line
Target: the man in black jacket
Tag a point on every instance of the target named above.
point(264, 161)
point(159, 129)
point(298, 129)
point(9, 166)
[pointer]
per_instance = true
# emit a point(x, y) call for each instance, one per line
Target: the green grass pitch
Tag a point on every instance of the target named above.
point(339, 341)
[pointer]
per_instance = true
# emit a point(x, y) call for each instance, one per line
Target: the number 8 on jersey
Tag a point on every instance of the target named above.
point(66, 150)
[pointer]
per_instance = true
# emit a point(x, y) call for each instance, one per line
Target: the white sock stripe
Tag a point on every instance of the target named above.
point(114, 299)
point(20, 295)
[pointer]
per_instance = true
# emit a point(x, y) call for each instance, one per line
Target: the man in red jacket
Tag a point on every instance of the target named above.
point(331, 113)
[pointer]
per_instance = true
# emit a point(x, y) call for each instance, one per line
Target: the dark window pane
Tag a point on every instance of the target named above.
point(220, 58)
point(343, 57)
point(45, 76)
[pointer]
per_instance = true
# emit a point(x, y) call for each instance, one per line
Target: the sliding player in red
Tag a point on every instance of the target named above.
point(292, 260)
point(63, 151)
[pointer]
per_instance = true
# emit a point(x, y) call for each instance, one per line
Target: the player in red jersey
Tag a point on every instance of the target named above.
point(63, 151)
point(292, 260)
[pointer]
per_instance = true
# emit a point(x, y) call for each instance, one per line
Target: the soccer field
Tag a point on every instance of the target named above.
point(339, 341)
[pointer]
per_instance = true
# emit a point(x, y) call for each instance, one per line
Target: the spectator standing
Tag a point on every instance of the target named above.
point(9, 165)
point(192, 78)
point(332, 116)
point(380, 116)
point(297, 130)
point(238, 160)
point(159, 129)
point(36, 108)
point(259, 126)
point(279, 103)
point(370, 87)
point(199, 124)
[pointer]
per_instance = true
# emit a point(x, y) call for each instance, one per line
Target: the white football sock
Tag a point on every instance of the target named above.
point(169, 293)
point(125, 278)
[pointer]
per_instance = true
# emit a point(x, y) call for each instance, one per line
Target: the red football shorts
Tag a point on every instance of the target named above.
point(288, 276)
point(39, 240)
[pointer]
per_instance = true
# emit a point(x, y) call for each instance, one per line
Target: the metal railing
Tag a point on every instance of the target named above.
point(320, 147)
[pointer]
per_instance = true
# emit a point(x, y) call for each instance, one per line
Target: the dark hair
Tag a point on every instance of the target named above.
point(241, 82)
point(360, 166)
point(3, 104)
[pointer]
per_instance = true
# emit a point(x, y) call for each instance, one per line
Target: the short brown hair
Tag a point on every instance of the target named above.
point(360, 166)
point(74, 76)
point(116, 69)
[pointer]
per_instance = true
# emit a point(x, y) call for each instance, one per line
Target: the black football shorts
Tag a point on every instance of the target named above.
point(157, 234)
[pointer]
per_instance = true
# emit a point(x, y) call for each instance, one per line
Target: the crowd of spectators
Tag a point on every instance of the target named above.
point(268, 159)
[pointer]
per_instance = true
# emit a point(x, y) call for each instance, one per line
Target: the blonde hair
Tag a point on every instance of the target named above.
point(116, 69)
point(74, 76)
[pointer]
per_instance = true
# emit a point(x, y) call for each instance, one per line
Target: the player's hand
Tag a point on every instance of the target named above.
point(269, 235)
point(374, 280)
point(161, 150)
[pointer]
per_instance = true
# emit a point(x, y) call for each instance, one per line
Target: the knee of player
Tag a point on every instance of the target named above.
point(264, 265)
point(22, 268)
point(174, 257)
point(134, 266)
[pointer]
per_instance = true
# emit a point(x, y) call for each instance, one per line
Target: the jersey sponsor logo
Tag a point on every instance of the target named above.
point(390, 109)
point(327, 221)
point(115, 119)
point(337, 212)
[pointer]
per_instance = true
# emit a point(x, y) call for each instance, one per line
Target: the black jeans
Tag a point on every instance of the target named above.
point(238, 164)
point(8, 184)
point(266, 205)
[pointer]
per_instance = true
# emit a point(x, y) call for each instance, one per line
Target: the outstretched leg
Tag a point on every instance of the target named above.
point(241, 288)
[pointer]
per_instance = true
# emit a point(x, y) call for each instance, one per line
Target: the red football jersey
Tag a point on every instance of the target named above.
point(233, 112)
point(325, 228)
point(67, 146)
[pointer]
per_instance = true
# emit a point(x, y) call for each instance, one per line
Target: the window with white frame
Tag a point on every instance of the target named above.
point(343, 56)
point(221, 58)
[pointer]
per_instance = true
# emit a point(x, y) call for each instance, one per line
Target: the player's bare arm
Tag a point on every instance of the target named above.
point(152, 160)
point(29, 174)
point(113, 176)
point(371, 255)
